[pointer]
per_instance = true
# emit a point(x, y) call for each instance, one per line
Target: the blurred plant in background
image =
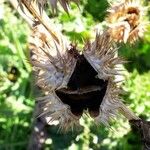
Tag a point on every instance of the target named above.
point(16, 103)
point(16, 92)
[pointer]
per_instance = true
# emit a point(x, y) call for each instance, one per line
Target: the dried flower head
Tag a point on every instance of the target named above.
point(126, 22)
point(75, 83)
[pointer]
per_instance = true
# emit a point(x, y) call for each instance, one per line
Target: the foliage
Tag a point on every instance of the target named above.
point(16, 85)
point(16, 103)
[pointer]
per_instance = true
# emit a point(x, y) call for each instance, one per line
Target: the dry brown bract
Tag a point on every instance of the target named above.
point(126, 22)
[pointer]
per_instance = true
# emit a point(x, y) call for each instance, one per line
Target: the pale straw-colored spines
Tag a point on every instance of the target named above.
point(52, 109)
point(51, 61)
point(126, 20)
point(101, 54)
point(110, 104)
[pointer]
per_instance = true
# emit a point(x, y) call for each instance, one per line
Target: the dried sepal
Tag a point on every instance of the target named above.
point(101, 55)
point(126, 20)
point(112, 105)
point(51, 61)
point(52, 109)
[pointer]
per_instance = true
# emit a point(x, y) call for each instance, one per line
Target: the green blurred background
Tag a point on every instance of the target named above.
point(17, 96)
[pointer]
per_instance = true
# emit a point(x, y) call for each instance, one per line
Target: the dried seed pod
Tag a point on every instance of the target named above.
point(75, 83)
point(126, 20)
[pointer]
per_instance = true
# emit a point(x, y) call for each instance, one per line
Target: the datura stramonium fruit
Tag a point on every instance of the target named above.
point(76, 83)
point(73, 84)
point(126, 20)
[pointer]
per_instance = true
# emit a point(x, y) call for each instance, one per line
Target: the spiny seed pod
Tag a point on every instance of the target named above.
point(126, 22)
point(73, 83)
point(76, 83)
